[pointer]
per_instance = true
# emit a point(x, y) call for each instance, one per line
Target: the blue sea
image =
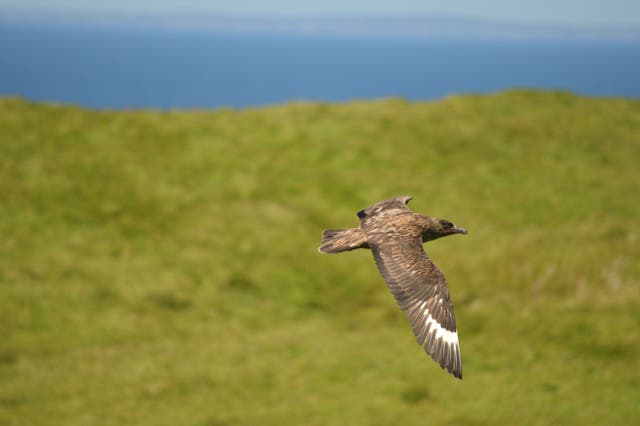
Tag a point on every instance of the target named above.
point(128, 68)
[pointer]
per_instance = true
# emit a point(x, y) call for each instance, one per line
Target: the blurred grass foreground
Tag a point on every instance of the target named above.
point(160, 268)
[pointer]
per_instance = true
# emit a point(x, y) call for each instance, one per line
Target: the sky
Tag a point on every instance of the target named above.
point(563, 12)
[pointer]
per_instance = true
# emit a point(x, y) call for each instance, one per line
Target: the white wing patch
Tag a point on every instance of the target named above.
point(440, 343)
point(440, 332)
point(434, 327)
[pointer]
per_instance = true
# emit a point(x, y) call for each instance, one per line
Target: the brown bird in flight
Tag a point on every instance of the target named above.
point(395, 235)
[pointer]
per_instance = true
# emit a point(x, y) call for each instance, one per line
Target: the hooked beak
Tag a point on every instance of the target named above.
point(460, 230)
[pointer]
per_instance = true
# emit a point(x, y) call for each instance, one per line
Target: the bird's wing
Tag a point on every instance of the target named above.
point(420, 289)
point(398, 204)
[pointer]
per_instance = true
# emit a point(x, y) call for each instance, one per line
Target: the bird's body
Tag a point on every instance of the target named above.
point(395, 235)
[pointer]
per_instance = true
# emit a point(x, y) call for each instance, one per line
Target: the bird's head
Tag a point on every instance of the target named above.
point(438, 228)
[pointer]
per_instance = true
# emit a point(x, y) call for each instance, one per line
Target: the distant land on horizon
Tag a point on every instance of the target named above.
point(434, 27)
point(210, 62)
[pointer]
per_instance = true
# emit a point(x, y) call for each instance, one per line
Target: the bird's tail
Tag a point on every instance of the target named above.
point(337, 240)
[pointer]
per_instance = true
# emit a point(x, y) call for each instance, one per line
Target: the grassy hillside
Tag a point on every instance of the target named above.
point(160, 268)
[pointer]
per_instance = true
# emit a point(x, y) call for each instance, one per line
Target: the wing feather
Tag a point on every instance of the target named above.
point(397, 204)
point(420, 289)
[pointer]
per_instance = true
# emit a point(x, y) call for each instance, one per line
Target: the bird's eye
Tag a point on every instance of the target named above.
point(446, 224)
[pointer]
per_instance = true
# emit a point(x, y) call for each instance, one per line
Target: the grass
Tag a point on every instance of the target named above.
point(161, 267)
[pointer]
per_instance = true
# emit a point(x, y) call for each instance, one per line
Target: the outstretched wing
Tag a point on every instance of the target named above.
point(390, 206)
point(420, 289)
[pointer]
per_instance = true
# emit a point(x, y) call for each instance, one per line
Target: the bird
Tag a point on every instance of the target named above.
point(395, 234)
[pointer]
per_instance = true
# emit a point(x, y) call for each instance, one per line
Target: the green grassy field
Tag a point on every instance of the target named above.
point(160, 268)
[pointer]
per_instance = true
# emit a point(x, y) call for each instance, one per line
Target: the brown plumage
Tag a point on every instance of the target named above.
point(395, 235)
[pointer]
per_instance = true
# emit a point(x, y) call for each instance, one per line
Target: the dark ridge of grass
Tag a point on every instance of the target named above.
point(415, 395)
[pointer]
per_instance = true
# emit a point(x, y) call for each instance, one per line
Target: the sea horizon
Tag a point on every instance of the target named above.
point(132, 67)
